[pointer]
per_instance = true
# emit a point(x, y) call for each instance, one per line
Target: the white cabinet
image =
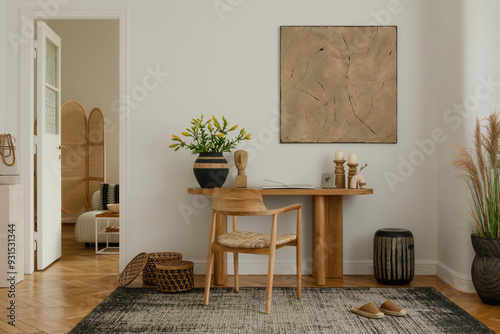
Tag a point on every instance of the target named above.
point(11, 234)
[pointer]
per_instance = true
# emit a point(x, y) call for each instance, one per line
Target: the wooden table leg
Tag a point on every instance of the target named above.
point(334, 236)
point(319, 245)
point(220, 258)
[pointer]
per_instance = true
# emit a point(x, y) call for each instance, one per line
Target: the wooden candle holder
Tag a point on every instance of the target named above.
point(352, 172)
point(339, 174)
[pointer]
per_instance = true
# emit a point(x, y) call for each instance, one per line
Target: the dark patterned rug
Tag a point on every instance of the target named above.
point(321, 310)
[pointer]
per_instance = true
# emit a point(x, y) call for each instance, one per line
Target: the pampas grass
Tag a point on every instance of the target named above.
point(481, 174)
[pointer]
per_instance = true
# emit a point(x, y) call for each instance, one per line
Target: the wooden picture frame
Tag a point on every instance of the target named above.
point(338, 84)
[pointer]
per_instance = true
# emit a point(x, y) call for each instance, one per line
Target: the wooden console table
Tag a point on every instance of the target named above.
point(327, 229)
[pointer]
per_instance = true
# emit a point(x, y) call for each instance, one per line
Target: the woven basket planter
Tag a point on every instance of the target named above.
point(486, 269)
point(148, 274)
point(174, 276)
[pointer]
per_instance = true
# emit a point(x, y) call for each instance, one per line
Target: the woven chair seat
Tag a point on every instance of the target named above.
point(245, 239)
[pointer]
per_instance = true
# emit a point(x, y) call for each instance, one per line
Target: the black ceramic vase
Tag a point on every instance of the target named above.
point(211, 169)
point(486, 269)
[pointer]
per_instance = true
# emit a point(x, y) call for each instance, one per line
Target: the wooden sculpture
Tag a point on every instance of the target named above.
point(240, 160)
point(358, 179)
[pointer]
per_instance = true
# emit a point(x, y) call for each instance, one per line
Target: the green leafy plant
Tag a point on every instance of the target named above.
point(480, 171)
point(209, 136)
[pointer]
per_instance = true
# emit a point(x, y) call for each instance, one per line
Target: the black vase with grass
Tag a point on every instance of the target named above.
point(480, 169)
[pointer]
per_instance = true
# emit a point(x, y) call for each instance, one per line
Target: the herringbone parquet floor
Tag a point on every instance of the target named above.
point(55, 300)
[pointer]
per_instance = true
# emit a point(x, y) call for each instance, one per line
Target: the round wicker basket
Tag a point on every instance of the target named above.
point(174, 276)
point(148, 274)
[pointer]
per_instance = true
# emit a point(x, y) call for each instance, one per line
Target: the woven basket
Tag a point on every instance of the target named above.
point(174, 276)
point(148, 274)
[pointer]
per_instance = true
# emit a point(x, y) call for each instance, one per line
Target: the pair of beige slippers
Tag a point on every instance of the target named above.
point(371, 311)
point(113, 229)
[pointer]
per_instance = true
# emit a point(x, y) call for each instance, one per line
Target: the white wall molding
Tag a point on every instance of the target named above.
point(26, 126)
point(26, 118)
point(455, 279)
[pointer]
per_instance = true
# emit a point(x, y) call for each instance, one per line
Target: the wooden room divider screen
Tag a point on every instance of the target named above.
point(83, 156)
point(97, 153)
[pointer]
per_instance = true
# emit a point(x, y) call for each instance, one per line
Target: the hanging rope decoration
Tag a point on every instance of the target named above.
point(7, 142)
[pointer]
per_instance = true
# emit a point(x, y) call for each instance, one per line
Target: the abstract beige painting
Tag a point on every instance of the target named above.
point(339, 84)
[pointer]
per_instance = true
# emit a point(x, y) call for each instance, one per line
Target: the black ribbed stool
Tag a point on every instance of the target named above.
point(393, 256)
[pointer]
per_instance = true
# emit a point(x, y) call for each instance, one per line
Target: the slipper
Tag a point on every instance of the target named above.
point(368, 310)
point(390, 308)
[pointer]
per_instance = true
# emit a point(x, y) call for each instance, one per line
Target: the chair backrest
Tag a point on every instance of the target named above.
point(238, 202)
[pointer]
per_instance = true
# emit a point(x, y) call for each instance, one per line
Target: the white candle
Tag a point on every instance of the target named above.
point(339, 155)
point(352, 158)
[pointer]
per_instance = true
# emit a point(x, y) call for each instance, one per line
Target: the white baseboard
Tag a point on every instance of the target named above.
point(359, 267)
point(365, 267)
point(456, 280)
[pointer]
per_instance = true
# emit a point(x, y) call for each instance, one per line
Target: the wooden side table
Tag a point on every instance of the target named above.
point(327, 229)
point(100, 229)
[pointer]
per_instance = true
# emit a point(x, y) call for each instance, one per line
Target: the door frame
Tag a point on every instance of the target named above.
point(26, 96)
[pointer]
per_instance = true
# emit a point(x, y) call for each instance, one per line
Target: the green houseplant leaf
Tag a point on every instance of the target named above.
point(209, 136)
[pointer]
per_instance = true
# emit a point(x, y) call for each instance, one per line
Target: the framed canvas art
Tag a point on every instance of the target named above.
point(338, 84)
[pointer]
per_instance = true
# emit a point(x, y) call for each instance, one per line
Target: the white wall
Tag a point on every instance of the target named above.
point(3, 129)
point(9, 116)
point(90, 75)
point(469, 51)
point(231, 67)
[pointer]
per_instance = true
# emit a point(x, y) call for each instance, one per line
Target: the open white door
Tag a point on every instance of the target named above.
point(48, 141)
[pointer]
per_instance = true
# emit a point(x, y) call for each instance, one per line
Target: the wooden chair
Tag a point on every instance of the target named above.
point(248, 202)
